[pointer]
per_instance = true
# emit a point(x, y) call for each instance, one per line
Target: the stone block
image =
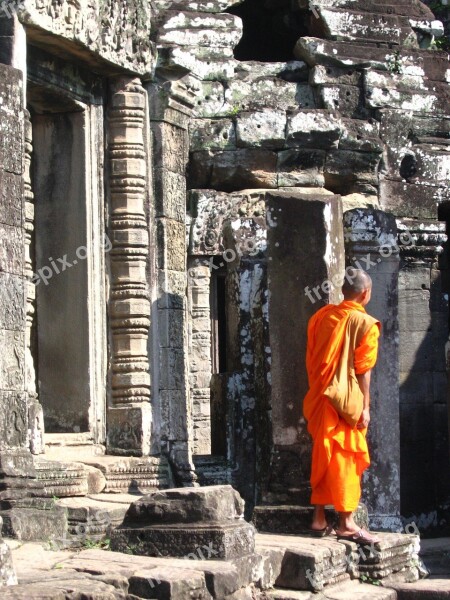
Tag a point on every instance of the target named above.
point(11, 249)
point(219, 541)
point(129, 429)
point(187, 505)
point(12, 360)
point(414, 311)
point(201, 29)
point(174, 415)
point(344, 168)
point(313, 129)
point(415, 278)
point(266, 129)
point(415, 386)
point(414, 201)
point(167, 583)
point(12, 302)
point(131, 474)
point(171, 244)
point(360, 135)
point(169, 146)
point(417, 354)
point(172, 368)
point(301, 168)
point(300, 228)
point(171, 328)
point(322, 75)
point(11, 210)
point(308, 563)
point(357, 26)
point(230, 171)
point(347, 99)
point(212, 134)
point(266, 93)
point(7, 572)
point(171, 289)
point(61, 479)
point(210, 101)
point(170, 195)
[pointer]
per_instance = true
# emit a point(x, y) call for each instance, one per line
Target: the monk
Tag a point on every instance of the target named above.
point(340, 453)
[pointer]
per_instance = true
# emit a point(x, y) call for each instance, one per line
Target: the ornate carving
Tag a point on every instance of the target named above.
point(129, 307)
point(36, 418)
point(117, 30)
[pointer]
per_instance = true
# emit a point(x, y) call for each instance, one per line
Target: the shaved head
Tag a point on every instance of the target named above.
point(356, 281)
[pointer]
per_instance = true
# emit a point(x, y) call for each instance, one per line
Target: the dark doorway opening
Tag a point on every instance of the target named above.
point(271, 30)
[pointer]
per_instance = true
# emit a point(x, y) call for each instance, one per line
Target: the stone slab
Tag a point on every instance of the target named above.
point(187, 505)
point(225, 541)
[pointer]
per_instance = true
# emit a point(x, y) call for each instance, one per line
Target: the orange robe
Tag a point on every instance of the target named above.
point(340, 453)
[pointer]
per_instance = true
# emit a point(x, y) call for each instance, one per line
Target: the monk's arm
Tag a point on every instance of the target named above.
point(364, 384)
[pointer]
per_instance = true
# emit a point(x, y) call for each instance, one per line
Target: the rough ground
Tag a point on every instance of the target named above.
point(93, 574)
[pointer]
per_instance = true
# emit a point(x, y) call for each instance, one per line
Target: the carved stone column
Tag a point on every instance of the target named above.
point(129, 412)
point(35, 413)
point(200, 356)
point(371, 244)
point(171, 104)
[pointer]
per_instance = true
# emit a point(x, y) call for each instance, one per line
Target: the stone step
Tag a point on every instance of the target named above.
point(212, 470)
point(351, 590)
point(311, 563)
point(92, 518)
point(79, 443)
point(293, 519)
point(78, 472)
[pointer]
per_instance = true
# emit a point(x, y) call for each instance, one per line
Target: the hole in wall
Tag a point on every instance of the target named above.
point(408, 166)
point(271, 30)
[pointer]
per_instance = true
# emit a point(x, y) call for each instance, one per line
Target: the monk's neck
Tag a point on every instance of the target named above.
point(351, 305)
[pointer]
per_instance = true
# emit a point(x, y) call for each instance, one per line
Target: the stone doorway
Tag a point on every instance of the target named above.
point(68, 338)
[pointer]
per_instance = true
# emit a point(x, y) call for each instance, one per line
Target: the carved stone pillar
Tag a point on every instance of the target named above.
point(371, 244)
point(200, 356)
point(35, 413)
point(171, 104)
point(129, 412)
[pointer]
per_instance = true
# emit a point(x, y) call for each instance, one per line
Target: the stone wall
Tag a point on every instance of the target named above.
point(361, 112)
point(14, 409)
point(114, 32)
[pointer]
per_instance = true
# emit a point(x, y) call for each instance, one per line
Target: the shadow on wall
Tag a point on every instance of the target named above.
point(271, 31)
point(424, 436)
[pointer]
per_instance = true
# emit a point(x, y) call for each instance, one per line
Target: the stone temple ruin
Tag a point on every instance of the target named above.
point(181, 183)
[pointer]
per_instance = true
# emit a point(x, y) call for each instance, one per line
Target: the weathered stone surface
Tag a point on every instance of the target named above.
point(170, 195)
point(12, 366)
point(313, 129)
point(346, 170)
point(298, 265)
point(224, 541)
point(347, 99)
point(10, 205)
point(355, 26)
point(201, 29)
point(94, 30)
point(178, 522)
point(165, 582)
point(11, 249)
point(187, 505)
point(12, 302)
point(171, 244)
point(308, 564)
point(229, 171)
point(7, 572)
point(61, 479)
point(266, 129)
point(322, 75)
point(131, 474)
point(301, 168)
point(412, 200)
point(212, 134)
